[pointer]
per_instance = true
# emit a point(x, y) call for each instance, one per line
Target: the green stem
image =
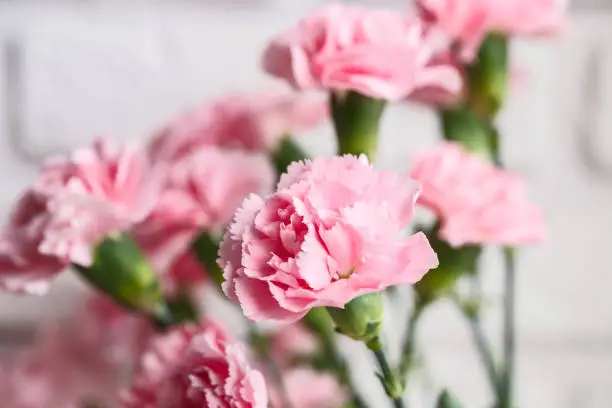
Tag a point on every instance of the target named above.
point(408, 345)
point(507, 381)
point(391, 383)
point(484, 351)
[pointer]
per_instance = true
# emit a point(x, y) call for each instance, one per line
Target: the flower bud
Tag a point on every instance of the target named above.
point(361, 319)
point(454, 263)
point(356, 120)
point(488, 76)
point(120, 270)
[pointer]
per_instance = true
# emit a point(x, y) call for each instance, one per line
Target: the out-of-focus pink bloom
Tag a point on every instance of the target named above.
point(202, 191)
point(186, 271)
point(310, 389)
point(529, 17)
point(167, 232)
point(467, 22)
point(436, 96)
point(211, 183)
point(191, 367)
point(464, 22)
point(93, 193)
point(292, 341)
point(476, 202)
point(378, 53)
point(83, 361)
point(252, 121)
point(328, 235)
point(22, 267)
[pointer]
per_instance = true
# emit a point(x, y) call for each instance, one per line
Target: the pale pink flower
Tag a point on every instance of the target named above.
point(185, 271)
point(529, 17)
point(378, 53)
point(464, 22)
point(202, 190)
point(191, 367)
point(252, 121)
point(476, 202)
point(467, 22)
point(292, 341)
point(94, 193)
point(212, 182)
point(82, 361)
point(22, 267)
point(310, 389)
point(328, 235)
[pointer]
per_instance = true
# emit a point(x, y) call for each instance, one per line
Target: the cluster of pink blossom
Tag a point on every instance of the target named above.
point(332, 230)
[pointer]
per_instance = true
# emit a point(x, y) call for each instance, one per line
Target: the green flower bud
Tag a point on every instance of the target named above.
point(120, 270)
point(356, 120)
point(361, 319)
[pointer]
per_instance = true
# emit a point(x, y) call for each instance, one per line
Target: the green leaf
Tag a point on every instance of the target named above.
point(447, 400)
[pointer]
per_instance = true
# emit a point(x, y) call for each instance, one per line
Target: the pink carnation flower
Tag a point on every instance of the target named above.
point(79, 362)
point(185, 271)
point(254, 121)
point(466, 22)
point(476, 202)
point(93, 193)
point(202, 190)
point(310, 389)
point(22, 267)
point(378, 53)
point(192, 367)
point(292, 341)
point(328, 235)
point(212, 182)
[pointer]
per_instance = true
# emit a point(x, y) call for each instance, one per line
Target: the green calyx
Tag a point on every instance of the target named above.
point(361, 319)
point(121, 270)
point(356, 120)
point(488, 76)
point(453, 264)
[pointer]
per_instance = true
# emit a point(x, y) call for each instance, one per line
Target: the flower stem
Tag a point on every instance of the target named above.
point(408, 345)
point(390, 382)
point(507, 380)
point(484, 350)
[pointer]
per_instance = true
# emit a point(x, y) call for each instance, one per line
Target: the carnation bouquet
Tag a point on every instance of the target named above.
point(223, 203)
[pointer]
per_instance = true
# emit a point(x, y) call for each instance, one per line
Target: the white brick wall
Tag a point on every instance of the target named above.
point(93, 68)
